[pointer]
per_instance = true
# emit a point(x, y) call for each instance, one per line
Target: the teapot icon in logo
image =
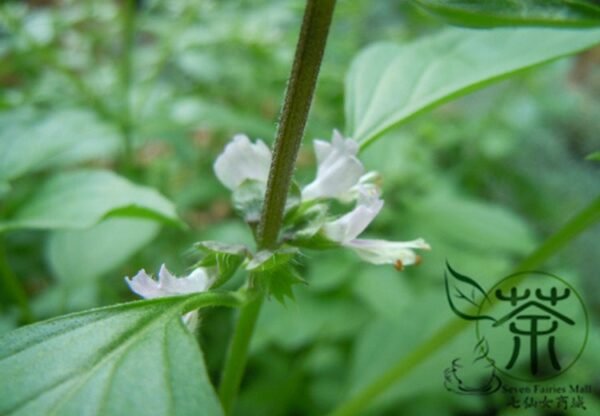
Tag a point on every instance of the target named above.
point(473, 374)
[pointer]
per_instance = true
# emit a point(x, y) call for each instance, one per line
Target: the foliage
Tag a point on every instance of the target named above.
point(506, 13)
point(91, 359)
point(110, 121)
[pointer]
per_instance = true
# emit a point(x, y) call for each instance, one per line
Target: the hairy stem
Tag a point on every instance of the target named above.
point(357, 404)
point(299, 95)
point(296, 106)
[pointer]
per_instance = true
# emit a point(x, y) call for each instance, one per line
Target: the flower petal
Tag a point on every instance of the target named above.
point(349, 226)
point(369, 183)
point(165, 277)
point(388, 252)
point(242, 160)
point(322, 150)
point(169, 285)
point(338, 168)
point(197, 281)
point(145, 286)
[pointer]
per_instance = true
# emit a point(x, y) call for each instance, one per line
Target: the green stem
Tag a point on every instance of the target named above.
point(298, 98)
point(357, 404)
point(299, 95)
point(13, 287)
point(205, 299)
point(586, 218)
point(238, 353)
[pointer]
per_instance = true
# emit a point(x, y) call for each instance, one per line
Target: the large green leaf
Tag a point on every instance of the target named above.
point(78, 258)
point(475, 224)
point(388, 83)
point(130, 359)
point(31, 141)
point(80, 255)
point(81, 199)
point(486, 13)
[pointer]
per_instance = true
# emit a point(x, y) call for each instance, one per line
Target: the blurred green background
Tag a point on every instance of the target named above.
point(484, 179)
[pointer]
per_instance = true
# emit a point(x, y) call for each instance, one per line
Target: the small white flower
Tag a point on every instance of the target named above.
point(167, 284)
point(398, 253)
point(347, 228)
point(338, 168)
point(242, 160)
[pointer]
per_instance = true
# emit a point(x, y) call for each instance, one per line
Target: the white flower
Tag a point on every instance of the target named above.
point(347, 228)
point(242, 160)
point(167, 284)
point(338, 168)
point(398, 253)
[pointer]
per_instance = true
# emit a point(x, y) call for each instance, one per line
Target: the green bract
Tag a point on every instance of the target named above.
point(274, 273)
point(225, 257)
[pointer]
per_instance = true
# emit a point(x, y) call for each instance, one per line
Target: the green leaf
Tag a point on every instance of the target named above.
point(80, 255)
point(135, 359)
point(30, 141)
point(491, 13)
point(593, 156)
point(81, 199)
point(78, 258)
point(474, 224)
point(383, 342)
point(387, 83)
point(225, 257)
point(66, 297)
point(330, 269)
point(386, 291)
point(4, 188)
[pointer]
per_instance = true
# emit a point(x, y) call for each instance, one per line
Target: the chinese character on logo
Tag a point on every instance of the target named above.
point(532, 318)
point(527, 319)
